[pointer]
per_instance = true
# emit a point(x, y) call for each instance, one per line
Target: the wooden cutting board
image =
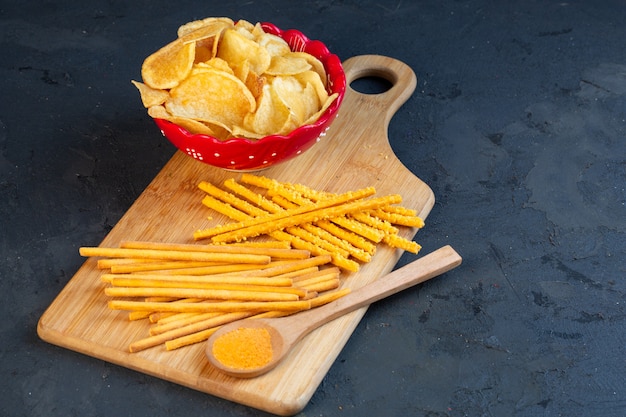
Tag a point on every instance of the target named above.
point(354, 154)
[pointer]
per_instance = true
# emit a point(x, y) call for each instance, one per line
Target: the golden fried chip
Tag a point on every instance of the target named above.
point(275, 45)
point(285, 65)
point(224, 99)
point(290, 92)
point(216, 64)
point(236, 48)
point(315, 116)
point(270, 115)
point(226, 78)
point(255, 83)
point(192, 126)
point(243, 24)
point(197, 24)
point(316, 64)
point(313, 78)
point(242, 71)
point(150, 96)
point(168, 66)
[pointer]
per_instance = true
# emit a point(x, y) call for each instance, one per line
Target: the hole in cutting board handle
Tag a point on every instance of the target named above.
point(371, 84)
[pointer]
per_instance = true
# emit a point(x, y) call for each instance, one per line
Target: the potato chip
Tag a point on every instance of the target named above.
point(316, 64)
point(191, 125)
point(290, 93)
point(236, 48)
point(270, 115)
point(244, 25)
point(255, 83)
point(284, 65)
point(151, 96)
point(224, 78)
point(325, 106)
point(313, 78)
point(197, 24)
point(225, 100)
point(215, 63)
point(168, 66)
point(275, 45)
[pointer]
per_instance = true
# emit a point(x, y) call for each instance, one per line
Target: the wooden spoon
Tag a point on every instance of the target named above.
point(285, 332)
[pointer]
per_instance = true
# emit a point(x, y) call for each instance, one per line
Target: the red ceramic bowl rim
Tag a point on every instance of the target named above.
point(297, 42)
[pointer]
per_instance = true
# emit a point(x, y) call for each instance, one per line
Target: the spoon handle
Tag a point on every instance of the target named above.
point(418, 271)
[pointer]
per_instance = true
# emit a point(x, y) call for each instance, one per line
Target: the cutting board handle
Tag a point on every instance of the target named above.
point(402, 78)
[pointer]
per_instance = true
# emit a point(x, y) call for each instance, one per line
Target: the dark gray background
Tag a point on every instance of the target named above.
point(518, 124)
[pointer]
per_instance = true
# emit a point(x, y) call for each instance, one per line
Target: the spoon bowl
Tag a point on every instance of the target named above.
point(286, 332)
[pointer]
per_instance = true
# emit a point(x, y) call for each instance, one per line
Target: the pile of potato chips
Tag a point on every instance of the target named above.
point(228, 79)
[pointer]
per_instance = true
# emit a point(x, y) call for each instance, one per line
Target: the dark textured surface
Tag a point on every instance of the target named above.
point(518, 124)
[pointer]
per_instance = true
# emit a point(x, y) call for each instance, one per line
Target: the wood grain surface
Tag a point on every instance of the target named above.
point(354, 154)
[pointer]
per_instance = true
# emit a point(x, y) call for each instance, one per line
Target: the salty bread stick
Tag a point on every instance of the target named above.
point(328, 297)
point(173, 255)
point(209, 294)
point(207, 306)
point(325, 285)
point(339, 200)
point(242, 249)
point(399, 219)
point(132, 283)
point(359, 228)
point(399, 242)
point(354, 239)
point(129, 280)
point(182, 320)
point(296, 218)
point(160, 266)
point(254, 198)
point(228, 198)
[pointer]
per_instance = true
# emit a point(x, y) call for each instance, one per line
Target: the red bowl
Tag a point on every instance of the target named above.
point(242, 154)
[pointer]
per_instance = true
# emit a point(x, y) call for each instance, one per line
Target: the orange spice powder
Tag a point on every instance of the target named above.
point(244, 348)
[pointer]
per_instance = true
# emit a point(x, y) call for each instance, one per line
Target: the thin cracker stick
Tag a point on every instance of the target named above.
point(180, 322)
point(382, 225)
point(173, 255)
point(317, 240)
point(399, 219)
point(158, 266)
point(329, 272)
point(291, 266)
point(138, 280)
point(350, 249)
point(190, 339)
point(368, 232)
point(258, 199)
point(400, 210)
point(340, 200)
point(228, 198)
point(134, 283)
point(176, 316)
point(107, 263)
point(152, 341)
point(258, 180)
point(205, 307)
point(329, 297)
point(326, 285)
point(276, 244)
point(354, 239)
point(211, 270)
point(138, 315)
point(295, 241)
point(399, 242)
point(252, 250)
point(209, 294)
point(308, 216)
